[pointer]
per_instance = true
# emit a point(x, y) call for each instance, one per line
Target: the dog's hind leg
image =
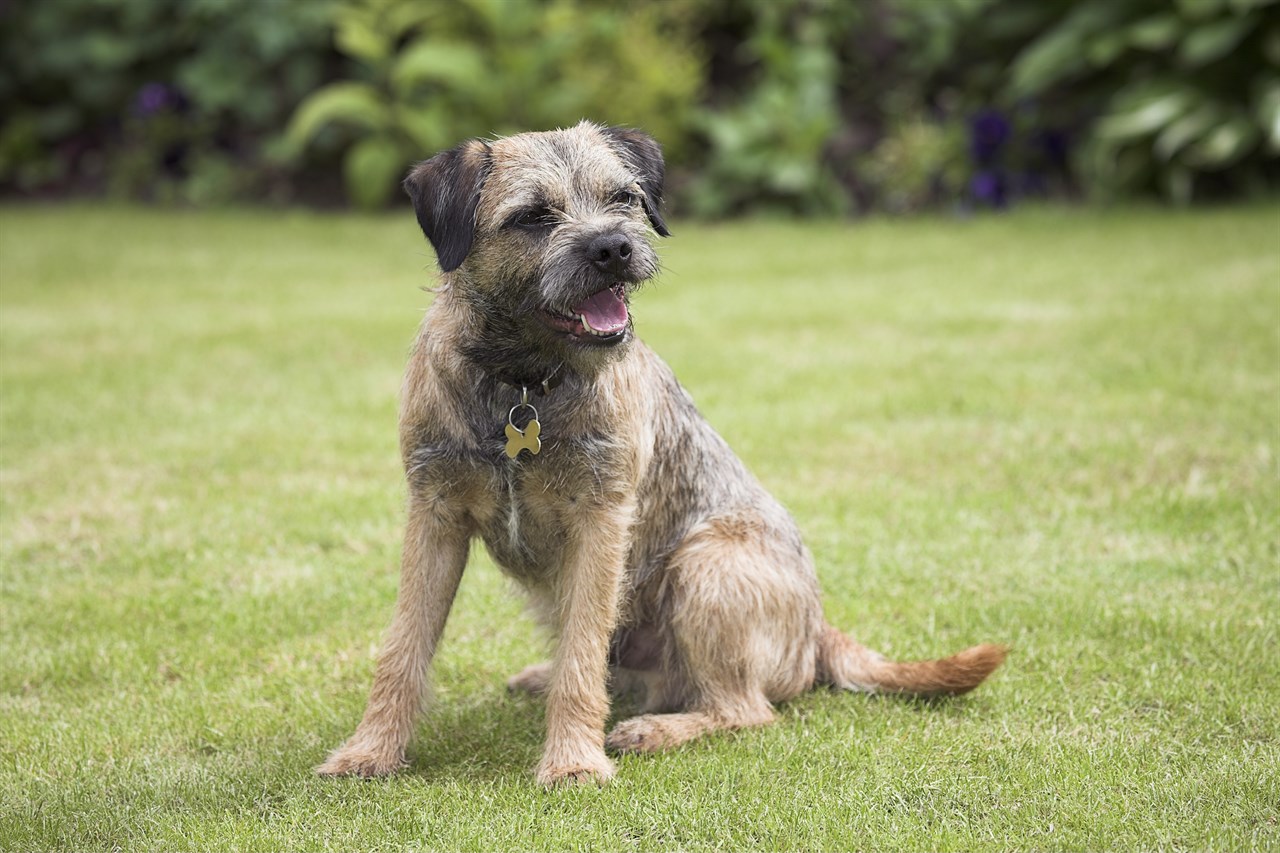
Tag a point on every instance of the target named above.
point(656, 732)
point(742, 612)
point(533, 679)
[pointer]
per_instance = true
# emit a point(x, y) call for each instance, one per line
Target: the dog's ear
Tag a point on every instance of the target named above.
point(643, 153)
point(445, 192)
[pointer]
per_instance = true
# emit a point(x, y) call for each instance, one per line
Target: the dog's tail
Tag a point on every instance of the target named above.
point(843, 663)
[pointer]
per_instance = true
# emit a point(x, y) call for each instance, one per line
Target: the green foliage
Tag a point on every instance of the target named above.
point(918, 164)
point(767, 145)
point(160, 98)
point(791, 106)
point(429, 74)
point(1184, 94)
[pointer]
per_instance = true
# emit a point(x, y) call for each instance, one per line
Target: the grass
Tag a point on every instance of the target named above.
point(1056, 429)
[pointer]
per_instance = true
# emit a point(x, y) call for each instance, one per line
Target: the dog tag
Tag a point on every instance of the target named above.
point(523, 439)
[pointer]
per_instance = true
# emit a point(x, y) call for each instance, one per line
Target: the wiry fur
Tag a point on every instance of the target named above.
point(645, 544)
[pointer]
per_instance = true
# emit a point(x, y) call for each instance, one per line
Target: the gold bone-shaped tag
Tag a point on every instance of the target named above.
point(526, 439)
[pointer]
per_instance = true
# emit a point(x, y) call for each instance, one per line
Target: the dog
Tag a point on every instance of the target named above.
point(533, 418)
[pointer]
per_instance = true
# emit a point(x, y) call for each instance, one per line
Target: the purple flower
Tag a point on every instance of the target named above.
point(988, 188)
point(152, 98)
point(989, 130)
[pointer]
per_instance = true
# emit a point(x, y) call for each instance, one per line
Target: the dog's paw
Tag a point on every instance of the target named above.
point(585, 769)
point(638, 734)
point(354, 758)
point(532, 679)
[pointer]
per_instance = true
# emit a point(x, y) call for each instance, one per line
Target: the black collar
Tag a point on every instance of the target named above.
point(541, 387)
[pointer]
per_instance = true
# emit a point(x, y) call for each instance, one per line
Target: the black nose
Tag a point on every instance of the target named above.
point(610, 253)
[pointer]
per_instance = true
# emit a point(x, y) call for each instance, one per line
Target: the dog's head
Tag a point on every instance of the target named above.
point(545, 235)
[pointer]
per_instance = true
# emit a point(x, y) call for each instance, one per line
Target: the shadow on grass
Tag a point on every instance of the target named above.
point(498, 736)
point(491, 737)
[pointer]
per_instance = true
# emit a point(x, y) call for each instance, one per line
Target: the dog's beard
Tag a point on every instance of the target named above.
point(521, 338)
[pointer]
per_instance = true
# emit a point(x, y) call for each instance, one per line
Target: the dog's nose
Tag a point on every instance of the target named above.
point(610, 253)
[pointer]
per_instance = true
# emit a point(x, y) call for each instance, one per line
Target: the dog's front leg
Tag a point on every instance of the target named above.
point(577, 695)
point(435, 553)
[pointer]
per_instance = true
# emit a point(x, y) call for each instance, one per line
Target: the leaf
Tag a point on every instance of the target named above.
point(1133, 117)
point(1115, 167)
point(1201, 8)
point(401, 19)
point(1060, 53)
point(1002, 20)
point(1209, 42)
point(348, 102)
point(1157, 32)
point(431, 127)
point(371, 169)
point(1223, 145)
point(490, 12)
point(1187, 129)
point(454, 64)
point(1104, 49)
point(1267, 110)
point(1046, 61)
point(355, 35)
point(1271, 45)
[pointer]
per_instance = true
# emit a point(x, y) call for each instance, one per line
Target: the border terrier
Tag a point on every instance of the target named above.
point(533, 418)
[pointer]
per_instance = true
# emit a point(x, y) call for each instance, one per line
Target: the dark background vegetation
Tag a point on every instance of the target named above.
point(790, 106)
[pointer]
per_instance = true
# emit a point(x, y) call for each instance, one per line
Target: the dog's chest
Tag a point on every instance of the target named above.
point(536, 507)
point(531, 521)
point(531, 509)
point(523, 533)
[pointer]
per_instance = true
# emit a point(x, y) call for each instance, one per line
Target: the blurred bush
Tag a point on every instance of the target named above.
point(1188, 92)
point(427, 75)
point(775, 108)
point(1179, 97)
point(162, 99)
point(790, 106)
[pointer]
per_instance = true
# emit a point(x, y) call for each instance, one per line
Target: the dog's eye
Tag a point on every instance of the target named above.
point(534, 217)
point(625, 197)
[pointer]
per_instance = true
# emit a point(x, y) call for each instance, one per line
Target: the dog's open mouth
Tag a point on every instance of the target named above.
point(600, 318)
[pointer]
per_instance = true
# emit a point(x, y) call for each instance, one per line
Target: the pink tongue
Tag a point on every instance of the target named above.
point(604, 312)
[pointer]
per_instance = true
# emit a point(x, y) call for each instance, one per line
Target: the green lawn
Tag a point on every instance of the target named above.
point(1054, 429)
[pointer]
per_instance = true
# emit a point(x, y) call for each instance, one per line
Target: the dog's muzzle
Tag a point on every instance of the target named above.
point(601, 318)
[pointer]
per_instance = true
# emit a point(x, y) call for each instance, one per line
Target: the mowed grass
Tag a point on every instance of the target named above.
point(1054, 429)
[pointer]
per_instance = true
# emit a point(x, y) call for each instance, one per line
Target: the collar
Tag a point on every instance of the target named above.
point(541, 388)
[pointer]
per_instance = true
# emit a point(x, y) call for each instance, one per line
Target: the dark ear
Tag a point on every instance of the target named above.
point(644, 154)
point(445, 191)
